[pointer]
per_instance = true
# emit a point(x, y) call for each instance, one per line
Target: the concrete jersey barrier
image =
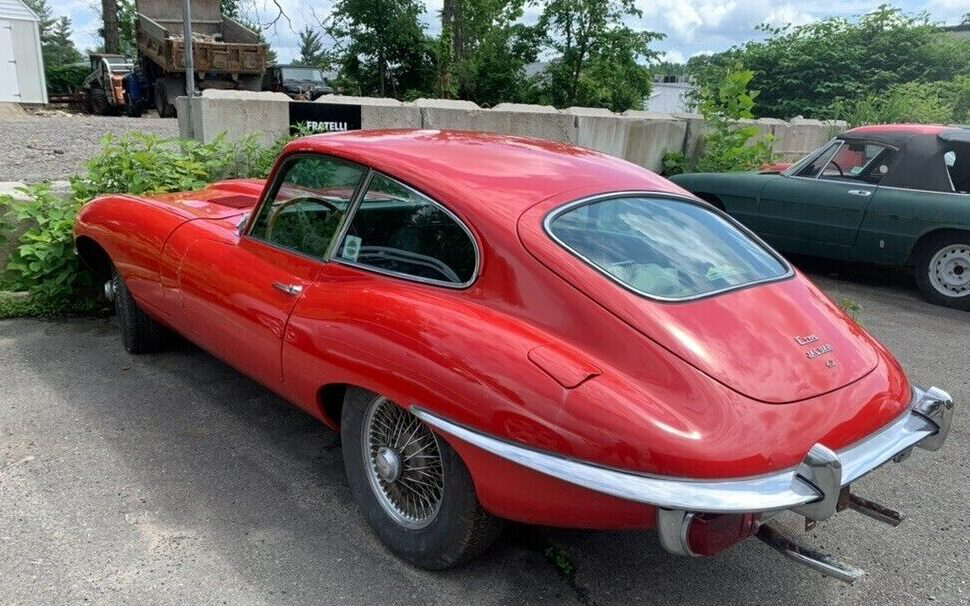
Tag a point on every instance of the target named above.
point(637, 136)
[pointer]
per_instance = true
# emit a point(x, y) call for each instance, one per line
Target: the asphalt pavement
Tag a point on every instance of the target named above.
point(172, 479)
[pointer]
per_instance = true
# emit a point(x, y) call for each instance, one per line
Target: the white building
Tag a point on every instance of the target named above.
point(21, 63)
point(668, 95)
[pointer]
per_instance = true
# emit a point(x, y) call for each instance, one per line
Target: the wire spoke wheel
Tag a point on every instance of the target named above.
point(949, 270)
point(403, 464)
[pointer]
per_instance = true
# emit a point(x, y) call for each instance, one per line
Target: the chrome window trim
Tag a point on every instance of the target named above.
point(559, 210)
point(352, 212)
point(809, 157)
point(925, 191)
point(859, 185)
point(924, 423)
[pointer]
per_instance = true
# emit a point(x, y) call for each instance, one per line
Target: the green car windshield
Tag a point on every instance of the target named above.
point(664, 248)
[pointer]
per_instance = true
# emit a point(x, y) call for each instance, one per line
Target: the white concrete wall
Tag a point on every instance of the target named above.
point(640, 137)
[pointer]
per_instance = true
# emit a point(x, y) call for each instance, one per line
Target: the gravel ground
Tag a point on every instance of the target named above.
point(172, 479)
point(54, 146)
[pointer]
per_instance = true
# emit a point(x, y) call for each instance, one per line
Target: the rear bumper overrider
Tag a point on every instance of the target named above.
point(811, 489)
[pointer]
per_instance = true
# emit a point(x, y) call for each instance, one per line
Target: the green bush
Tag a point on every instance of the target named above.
point(66, 79)
point(44, 262)
point(941, 102)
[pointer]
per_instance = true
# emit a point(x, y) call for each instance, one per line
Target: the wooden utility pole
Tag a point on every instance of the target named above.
point(109, 13)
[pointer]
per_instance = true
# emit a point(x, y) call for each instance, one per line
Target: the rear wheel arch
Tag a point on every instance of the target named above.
point(929, 237)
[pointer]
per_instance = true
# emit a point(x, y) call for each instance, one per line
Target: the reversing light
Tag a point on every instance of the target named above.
point(708, 533)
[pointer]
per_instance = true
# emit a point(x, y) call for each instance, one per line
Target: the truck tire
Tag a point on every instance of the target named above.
point(162, 102)
point(99, 102)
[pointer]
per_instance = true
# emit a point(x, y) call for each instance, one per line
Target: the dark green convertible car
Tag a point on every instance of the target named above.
point(892, 194)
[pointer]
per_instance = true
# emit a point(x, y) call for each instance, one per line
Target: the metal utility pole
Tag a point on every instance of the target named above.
point(189, 64)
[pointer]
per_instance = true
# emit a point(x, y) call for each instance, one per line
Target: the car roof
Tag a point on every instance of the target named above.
point(898, 134)
point(479, 172)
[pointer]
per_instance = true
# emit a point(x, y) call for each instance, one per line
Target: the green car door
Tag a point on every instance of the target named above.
point(818, 207)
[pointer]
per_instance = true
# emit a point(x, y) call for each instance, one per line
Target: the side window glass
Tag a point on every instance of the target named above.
point(304, 211)
point(815, 167)
point(859, 161)
point(400, 231)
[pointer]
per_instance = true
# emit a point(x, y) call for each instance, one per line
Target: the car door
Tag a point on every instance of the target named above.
point(238, 297)
point(375, 314)
point(817, 208)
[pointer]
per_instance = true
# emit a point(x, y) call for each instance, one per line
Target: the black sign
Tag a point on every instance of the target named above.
point(323, 117)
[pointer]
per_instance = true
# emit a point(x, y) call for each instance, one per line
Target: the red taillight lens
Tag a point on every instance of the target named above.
point(708, 533)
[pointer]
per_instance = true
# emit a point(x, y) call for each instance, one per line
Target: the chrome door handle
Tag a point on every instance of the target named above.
point(290, 289)
point(865, 193)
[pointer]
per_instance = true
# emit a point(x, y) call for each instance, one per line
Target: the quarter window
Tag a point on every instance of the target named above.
point(400, 231)
point(664, 248)
point(305, 209)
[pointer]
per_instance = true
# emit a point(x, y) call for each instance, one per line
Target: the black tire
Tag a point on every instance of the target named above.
point(928, 263)
point(88, 102)
point(99, 102)
point(139, 332)
point(459, 530)
point(162, 104)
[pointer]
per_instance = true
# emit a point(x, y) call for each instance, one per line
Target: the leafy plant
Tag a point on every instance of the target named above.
point(45, 264)
point(730, 144)
point(851, 307)
point(674, 163)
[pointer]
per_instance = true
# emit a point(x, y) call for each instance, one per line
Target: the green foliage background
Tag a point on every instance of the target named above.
point(886, 66)
point(44, 262)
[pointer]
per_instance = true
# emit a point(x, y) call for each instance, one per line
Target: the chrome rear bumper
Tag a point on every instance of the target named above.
point(811, 488)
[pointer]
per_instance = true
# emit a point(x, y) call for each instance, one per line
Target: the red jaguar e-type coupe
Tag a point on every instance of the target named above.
point(509, 328)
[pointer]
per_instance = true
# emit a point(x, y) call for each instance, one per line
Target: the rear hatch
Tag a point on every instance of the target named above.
point(777, 342)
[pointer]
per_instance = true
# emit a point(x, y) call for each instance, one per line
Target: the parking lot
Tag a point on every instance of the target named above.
point(172, 479)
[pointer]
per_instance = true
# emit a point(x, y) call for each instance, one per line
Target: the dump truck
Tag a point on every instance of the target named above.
point(226, 54)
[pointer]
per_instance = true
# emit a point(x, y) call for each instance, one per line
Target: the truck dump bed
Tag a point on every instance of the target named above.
point(220, 44)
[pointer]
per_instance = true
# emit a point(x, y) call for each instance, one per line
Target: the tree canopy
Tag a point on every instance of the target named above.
point(814, 70)
point(57, 48)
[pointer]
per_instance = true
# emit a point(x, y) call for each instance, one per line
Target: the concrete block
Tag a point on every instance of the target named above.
point(379, 112)
point(236, 113)
point(600, 129)
point(800, 136)
point(651, 136)
point(539, 121)
point(765, 126)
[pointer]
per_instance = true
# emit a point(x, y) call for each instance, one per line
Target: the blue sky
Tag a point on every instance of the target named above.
point(691, 26)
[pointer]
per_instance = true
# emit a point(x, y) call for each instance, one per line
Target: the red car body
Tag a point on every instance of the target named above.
point(540, 352)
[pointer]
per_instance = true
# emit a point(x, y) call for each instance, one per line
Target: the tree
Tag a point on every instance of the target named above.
point(802, 70)
point(382, 48)
point(110, 31)
point(596, 53)
point(311, 48)
point(60, 49)
point(483, 51)
point(55, 36)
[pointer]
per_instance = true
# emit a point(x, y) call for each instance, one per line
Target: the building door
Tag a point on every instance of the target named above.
point(9, 91)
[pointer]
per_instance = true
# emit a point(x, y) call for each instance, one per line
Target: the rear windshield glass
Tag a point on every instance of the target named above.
point(664, 248)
